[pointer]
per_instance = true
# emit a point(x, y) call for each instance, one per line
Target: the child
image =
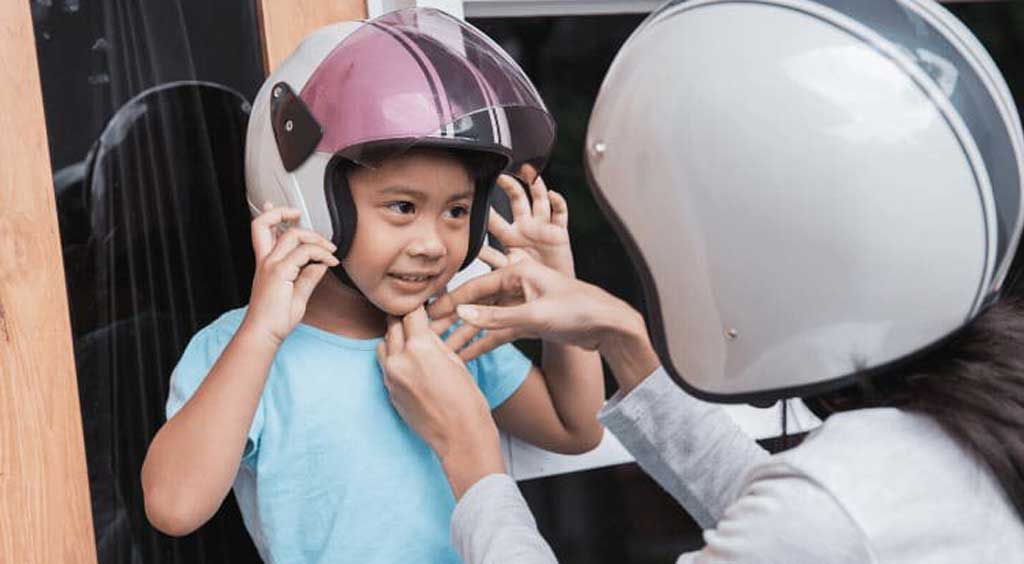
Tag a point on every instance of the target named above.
point(284, 399)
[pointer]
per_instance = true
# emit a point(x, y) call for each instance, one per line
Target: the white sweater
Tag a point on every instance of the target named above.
point(870, 486)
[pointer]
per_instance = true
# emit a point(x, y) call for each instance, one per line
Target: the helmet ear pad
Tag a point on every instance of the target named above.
point(484, 167)
point(342, 210)
point(478, 217)
point(340, 205)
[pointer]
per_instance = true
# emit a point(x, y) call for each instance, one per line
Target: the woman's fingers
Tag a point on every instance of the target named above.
point(490, 341)
point(263, 225)
point(516, 196)
point(440, 325)
point(479, 289)
point(442, 307)
point(416, 323)
point(541, 204)
point(459, 337)
point(559, 209)
point(499, 317)
point(395, 337)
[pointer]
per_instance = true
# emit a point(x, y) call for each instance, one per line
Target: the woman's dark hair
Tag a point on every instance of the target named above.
point(972, 385)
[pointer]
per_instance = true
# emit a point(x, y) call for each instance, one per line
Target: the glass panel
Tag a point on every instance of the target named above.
point(146, 108)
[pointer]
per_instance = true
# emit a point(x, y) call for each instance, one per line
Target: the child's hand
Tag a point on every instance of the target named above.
point(288, 267)
point(542, 232)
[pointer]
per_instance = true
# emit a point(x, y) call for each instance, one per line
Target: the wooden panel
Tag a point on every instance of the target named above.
point(44, 492)
point(283, 23)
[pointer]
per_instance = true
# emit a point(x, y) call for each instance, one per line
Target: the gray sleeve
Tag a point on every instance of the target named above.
point(693, 449)
point(493, 525)
point(783, 517)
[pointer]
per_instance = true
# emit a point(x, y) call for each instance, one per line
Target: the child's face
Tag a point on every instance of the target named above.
point(412, 232)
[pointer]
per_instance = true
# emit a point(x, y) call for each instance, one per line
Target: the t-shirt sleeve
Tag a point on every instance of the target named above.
point(499, 373)
point(199, 357)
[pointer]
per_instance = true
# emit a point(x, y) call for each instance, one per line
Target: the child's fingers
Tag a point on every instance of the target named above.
point(490, 341)
point(308, 279)
point(293, 238)
point(559, 209)
point(492, 257)
point(528, 173)
point(459, 337)
point(516, 196)
point(501, 228)
point(395, 337)
point(541, 205)
point(303, 255)
point(262, 227)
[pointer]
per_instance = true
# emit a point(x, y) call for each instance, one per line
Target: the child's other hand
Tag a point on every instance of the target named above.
point(542, 232)
point(289, 266)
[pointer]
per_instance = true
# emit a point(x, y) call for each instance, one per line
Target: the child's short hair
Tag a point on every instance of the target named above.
point(478, 164)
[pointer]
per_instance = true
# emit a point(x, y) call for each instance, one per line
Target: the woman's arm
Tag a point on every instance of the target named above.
point(692, 448)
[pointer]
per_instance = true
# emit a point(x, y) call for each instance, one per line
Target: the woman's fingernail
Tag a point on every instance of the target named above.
point(467, 312)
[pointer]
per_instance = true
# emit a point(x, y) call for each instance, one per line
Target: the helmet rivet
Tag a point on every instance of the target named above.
point(600, 148)
point(732, 334)
point(289, 125)
point(277, 92)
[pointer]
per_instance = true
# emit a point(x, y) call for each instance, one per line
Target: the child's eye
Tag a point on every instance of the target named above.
point(402, 207)
point(458, 211)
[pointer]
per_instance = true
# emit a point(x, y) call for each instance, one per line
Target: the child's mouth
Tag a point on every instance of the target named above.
point(413, 282)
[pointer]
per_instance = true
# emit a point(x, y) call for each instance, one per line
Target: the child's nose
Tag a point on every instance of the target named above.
point(427, 245)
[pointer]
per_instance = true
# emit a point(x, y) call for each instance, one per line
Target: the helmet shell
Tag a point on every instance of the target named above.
point(355, 93)
point(810, 189)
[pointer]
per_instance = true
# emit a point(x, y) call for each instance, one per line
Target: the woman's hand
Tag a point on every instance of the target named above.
point(532, 301)
point(288, 269)
point(541, 230)
point(536, 301)
point(434, 393)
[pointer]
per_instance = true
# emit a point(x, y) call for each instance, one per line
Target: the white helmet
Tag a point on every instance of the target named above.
point(353, 93)
point(810, 189)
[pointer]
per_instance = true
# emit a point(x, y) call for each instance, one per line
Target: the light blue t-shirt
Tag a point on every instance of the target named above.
point(331, 473)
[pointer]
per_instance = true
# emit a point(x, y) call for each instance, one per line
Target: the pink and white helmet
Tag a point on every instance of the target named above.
point(355, 92)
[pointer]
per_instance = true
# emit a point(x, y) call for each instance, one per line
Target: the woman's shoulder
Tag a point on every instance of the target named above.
point(894, 471)
point(883, 440)
point(878, 431)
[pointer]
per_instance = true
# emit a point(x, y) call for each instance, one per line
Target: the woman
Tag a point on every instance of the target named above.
point(824, 201)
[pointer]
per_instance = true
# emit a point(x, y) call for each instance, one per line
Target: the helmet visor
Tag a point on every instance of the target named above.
point(420, 76)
